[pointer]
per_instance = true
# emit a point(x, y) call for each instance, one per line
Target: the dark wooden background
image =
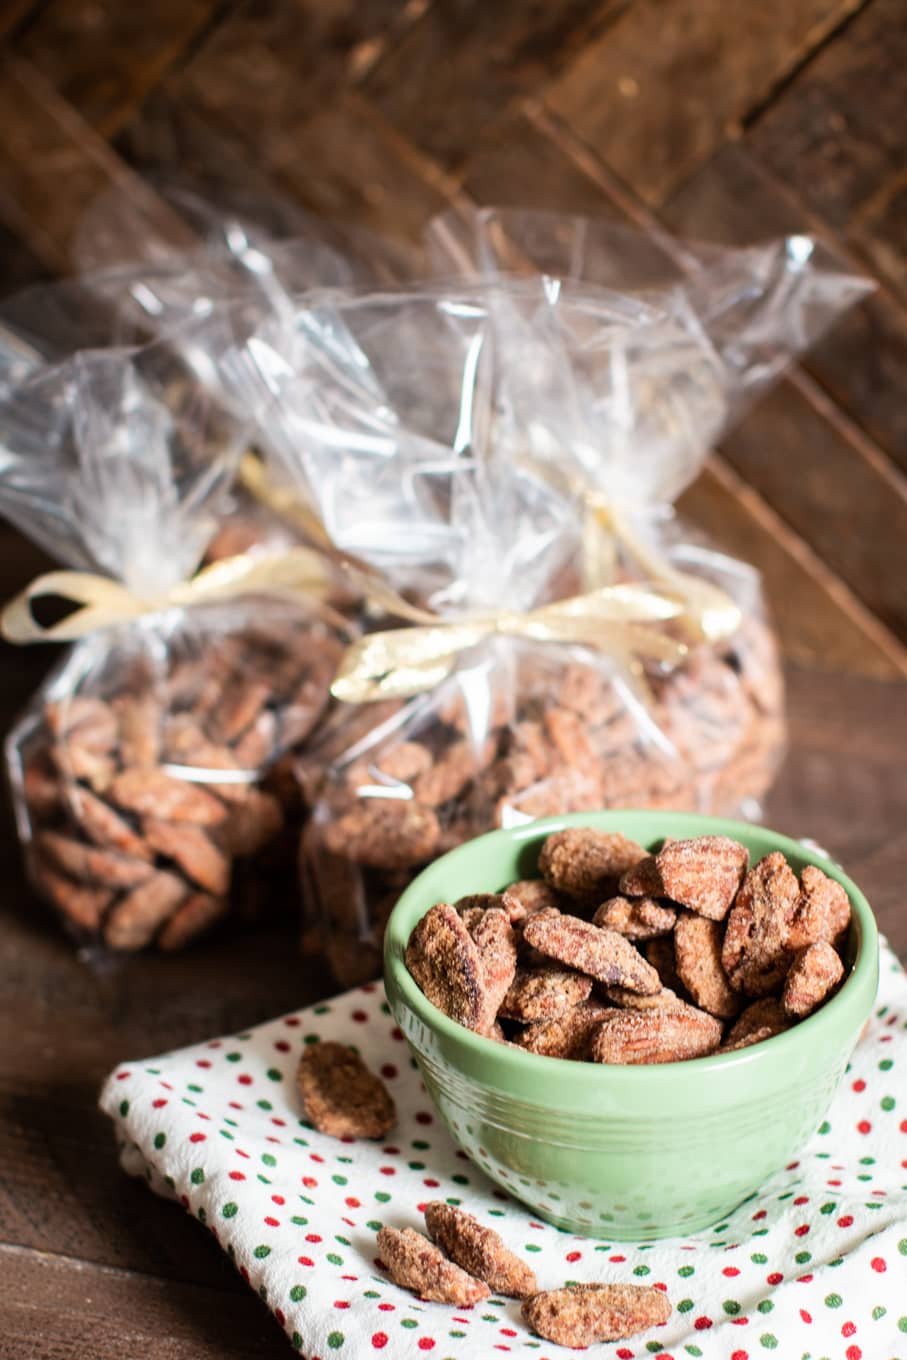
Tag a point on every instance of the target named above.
point(721, 119)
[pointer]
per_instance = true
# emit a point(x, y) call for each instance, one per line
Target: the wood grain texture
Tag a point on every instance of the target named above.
point(104, 56)
point(659, 91)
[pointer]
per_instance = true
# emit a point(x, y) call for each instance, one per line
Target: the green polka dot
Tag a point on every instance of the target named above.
point(230, 1210)
point(334, 1259)
point(833, 1300)
point(825, 1127)
point(531, 1246)
point(382, 1196)
point(802, 1257)
point(264, 1104)
point(686, 1271)
point(887, 1102)
point(829, 1207)
point(769, 1341)
point(339, 1180)
point(731, 1307)
point(299, 1220)
point(269, 1159)
point(878, 1312)
point(201, 1216)
point(344, 1241)
point(765, 1305)
point(902, 1324)
point(693, 1350)
point(653, 1346)
point(195, 1088)
point(296, 1341)
point(274, 1074)
point(124, 1108)
point(159, 1140)
point(233, 1057)
point(375, 1224)
point(902, 1246)
point(335, 1341)
point(464, 1180)
point(420, 1145)
point(198, 1176)
point(641, 1270)
point(886, 1065)
point(457, 1335)
point(310, 1039)
point(411, 1322)
point(261, 1252)
point(684, 1305)
point(232, 1122)
point(298, 1292)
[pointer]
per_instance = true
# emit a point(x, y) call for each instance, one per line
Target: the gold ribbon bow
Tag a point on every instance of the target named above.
point(103, 602)
point(400, 662)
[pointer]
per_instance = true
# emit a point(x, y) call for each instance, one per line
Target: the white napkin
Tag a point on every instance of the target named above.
point(816, 1267)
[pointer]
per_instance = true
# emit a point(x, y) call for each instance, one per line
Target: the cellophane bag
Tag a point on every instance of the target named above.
point(150, 772)
point(464, 439)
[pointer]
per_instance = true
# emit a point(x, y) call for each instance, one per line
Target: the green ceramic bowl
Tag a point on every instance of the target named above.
point(628, 1153)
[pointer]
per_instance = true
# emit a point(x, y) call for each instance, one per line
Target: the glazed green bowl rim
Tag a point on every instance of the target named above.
point(498, 1058)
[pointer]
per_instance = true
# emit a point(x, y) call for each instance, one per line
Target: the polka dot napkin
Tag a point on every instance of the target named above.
point(815, 1267)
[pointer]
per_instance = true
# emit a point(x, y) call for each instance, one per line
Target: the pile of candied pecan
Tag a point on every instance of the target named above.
point(619, 956)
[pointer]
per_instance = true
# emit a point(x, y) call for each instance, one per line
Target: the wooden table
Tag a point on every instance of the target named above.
point(722, 120)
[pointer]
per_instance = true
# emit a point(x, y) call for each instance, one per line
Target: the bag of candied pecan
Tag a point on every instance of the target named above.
point(150, 772)
point(504, 453)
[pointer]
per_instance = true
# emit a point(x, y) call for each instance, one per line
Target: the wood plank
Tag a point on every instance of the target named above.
point(456, 70)
point(819, 622)
point(666, 84)
point(830, 487)
point(46, 145)
point(54, 1308)
point(839, 134)
point(103, 57)
point(862, 362)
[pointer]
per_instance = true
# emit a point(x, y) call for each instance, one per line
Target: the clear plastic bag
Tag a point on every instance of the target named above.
point(150, 773)
point(506, 441)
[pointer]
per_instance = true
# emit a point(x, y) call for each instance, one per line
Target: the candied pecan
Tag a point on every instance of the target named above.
point(755, 954)
point(567, 1036)
point(654, 1036)
point(139, 727)
point(239, 706)
point(660, 953)
point(258, 743)
point(104, 825)
point(91, 864)
point(642, 880)
point(582, 861)
point(761, 1020)
point(385, 833)
point(447, 777)
point(495, 940)
point(603, 954)
point(402, 764)
point(75, 761)
point(417, 1264)
point(196, 916)
point(544, 993)
point(340, 1096)
point(582, 1314)
point(194, 851)
point(41, 788)
point(444, 960)
point(590, 693)
point(697, 954)
point(823, 911)
point(482, 901)
point(531, 895)
point(814, 974)
point(134, 920)
point(568, 736)
point(152, 793)
point(703, 873)
point(640, 919)
point(251, 824)
point(478, 1250)
point(90, 722)
point(665, 1000)
point(186, 744)
point(83, 905)
point(565, 791)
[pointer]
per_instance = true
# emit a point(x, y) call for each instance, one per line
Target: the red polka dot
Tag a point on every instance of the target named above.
point(387, 1171)
point(432, 1185)
point(802, 1199)
point(281, 1123)
point(379, 1340)
point(315, 1157)
point(702, 1324)
point(740, 1355)
point(280, 1316)
point(807, 1317)
point(341, 1303)
point(833, 1182)
point(237, 1176)
point(426, 1343)
point(791, 1166)
point(122, 1076)
point(392, 1151)
point(739, 1322)
point(158, 1104)
point(197, 1137)
point(385, 1307)
point(361, 1017)
point(853, 1353)
point(804, 1279)
point(617, 1259)
point(235, 1105)
point(624, 1354)
point(184, 1201)
point(507, 1331)
point(278, 1199)
point(848, 1329)
point(239, 1152)
point(423, 1117)
point(730, 1271)
point(397, 1034)
point(312, 1237)
point(902, 1126)
point(864, 1126)
point(292, 1021)
point(244, 1079)
point(244, 1273)
point(272, 1222)
point(760, 1214)
point(859, 1085)
point(845, 1220)
point(309, 1182)
point(573, 1256)
point(802, 1230)
point(388, 1071)
point(200, 1114)
point(352, 1203)
point(879, 1263)
point(202, 1062)
point(775, 1278)
point(282, 1046)
point(305, 1260)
